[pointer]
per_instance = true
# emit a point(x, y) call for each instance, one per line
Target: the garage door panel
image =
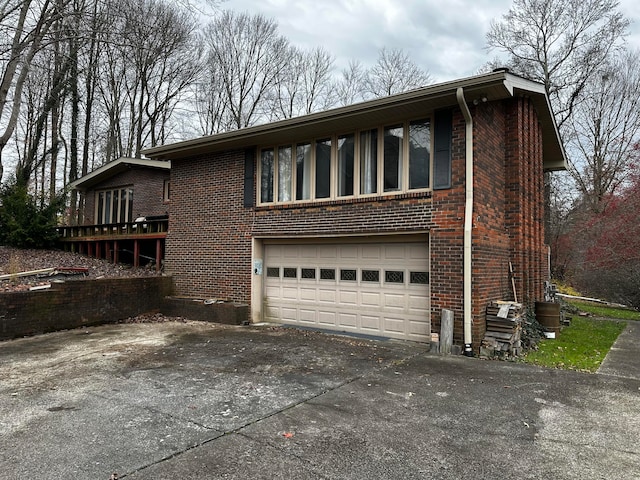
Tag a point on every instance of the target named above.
point(395, 301)
point(347, 319)
point(348, 297)
point(325, 286)
point(371, 252)
point(327, 295)
point(289, 293)
point(308, 294)
point(327, 318)
point(370, 299)
point(307, 315)
point(419, 328)
point(370, 322)
point(289, 314)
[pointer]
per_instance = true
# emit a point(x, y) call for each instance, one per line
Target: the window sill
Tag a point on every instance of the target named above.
point(345, 201)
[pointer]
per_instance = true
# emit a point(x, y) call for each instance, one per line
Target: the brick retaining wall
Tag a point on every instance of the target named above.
point(79, 304)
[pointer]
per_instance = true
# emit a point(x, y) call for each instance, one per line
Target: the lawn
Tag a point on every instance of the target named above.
point(581, 346)
point(605, 311)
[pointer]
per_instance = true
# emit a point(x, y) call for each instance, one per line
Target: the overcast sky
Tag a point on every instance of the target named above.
point(446, 38)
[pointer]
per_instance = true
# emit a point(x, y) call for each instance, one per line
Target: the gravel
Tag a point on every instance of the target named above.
point(13, 260)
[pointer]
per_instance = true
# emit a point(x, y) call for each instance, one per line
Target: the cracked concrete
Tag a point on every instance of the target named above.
point(201, 401)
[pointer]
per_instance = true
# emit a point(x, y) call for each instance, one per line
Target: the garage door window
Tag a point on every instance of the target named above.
point(419, 278)
point(370, 276)
point(394, 276)
point(327, 274)
point(273, 272)
point(348, 275)
point(290, 272)
point(308, 273)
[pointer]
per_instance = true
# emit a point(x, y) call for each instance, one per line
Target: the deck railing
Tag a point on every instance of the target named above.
point(144, 228)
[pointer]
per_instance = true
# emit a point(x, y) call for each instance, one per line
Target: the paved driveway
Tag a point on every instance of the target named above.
point(200, 401)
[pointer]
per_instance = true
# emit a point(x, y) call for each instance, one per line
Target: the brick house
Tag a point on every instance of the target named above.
point(113, 197)
point(123, 190)
point(361, 218)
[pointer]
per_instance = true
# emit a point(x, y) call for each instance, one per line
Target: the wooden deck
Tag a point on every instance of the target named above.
point(142, 241)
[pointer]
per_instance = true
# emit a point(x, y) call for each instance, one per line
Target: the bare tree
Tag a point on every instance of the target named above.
point(24, 26)
point(560, 43)
point(349, 88)
point(394, 72)
point(304, 84)
point(248, 54)
point(604, 130)
point(149, 57)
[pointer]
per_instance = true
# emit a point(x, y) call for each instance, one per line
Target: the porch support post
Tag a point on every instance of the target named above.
point(136, 253)
point(158, 254)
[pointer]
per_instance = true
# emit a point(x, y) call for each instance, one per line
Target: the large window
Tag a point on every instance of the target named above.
point(377, 161)
point(393, 159)
point(419, 148)
point(114, 206)
point(323, 168)
point(346, 150)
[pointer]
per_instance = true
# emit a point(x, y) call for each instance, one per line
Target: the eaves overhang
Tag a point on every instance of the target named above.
point(113, 168)
point(493, 86)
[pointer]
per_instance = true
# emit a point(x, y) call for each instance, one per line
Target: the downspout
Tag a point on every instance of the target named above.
point(468, 219)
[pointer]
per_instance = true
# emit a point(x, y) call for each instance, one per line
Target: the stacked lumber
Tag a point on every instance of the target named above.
point(504, 329)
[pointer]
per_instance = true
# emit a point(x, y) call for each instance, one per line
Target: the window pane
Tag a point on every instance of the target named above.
point(99, 215)
point(327, 274)
point(273, 272)
point(419, 147)
point(130, 205)
point(123, 206)
point(284, 174)
point(290, 272)
point(421, 278)
point(394, 276)
point(393, 158)
point(369, 161)
point(303, 171)
point(308, 273)
point(323, 168)
point(349, 275)
point(107, 207)
point(345, 165)
point(370, 276)
point(266, 180)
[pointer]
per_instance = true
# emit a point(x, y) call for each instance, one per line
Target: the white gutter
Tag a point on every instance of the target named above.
point(468, 219)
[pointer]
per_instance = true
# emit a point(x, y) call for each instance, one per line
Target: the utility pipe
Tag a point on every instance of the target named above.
point(468, 219)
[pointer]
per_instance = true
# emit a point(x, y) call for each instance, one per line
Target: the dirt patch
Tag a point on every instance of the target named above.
point(14, 261)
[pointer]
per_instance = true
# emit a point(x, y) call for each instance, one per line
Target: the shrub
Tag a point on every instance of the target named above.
point(25, 222)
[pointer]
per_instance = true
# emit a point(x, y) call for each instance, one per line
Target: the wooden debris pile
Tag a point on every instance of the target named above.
point(504, 330)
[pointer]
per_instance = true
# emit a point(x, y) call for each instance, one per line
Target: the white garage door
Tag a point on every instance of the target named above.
point(378, 289)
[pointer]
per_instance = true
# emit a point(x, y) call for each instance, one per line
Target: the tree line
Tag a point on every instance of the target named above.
point(85, 82)
point(578, 51)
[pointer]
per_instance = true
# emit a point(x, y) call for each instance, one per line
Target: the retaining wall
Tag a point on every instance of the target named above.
point(80, 303)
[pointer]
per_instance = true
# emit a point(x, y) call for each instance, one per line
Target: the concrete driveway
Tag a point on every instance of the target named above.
point(202, 401)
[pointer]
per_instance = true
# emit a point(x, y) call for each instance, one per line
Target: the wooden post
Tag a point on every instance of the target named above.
point(136, 253)
point(446, 331)
point(158, 254)
point(115, 251)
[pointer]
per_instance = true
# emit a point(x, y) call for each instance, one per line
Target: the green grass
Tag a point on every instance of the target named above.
point(581, 346)
point(605, 311)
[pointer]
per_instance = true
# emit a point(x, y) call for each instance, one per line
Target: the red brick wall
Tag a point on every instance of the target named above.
point(208, 247)
point(524, 199)
point(80, 303)
point(148, 192)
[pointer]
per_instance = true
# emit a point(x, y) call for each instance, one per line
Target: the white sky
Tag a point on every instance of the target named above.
point(446, 38)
